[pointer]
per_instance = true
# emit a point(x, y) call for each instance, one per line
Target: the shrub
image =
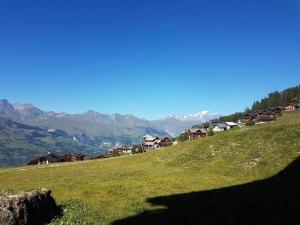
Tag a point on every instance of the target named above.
point(183, 137)
point(210, 132)
point(250, 123)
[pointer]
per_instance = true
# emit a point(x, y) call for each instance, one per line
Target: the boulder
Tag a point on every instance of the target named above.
point(28, 208)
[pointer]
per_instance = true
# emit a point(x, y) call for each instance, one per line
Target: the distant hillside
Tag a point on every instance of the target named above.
point(232, 178)
point(20, 143)
point(91, 127)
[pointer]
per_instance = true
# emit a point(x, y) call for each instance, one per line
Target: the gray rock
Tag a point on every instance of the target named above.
point(28, 208)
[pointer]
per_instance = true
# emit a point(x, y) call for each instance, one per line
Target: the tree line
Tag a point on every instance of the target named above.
point(275, 98)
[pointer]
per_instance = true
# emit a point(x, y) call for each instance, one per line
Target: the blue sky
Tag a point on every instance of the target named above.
point(148, 58)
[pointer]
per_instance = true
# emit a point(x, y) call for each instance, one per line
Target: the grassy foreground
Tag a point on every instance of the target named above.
point(103, 191)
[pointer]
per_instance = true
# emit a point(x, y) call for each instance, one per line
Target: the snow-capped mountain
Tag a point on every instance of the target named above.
point(175, 124)
point(202, 116)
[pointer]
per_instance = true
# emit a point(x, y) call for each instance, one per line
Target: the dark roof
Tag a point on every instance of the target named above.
point(277, 108)
point(195, 130)
point(51, 157)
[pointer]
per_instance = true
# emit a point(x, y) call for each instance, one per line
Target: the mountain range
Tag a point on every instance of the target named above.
point(89, 131)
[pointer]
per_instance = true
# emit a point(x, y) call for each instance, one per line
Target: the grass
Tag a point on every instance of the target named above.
point(103, 191)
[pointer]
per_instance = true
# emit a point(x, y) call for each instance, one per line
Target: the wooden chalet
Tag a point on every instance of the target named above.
point(110, 153)
point(77, 157)
point(196, 133)
point(294, 105)
point(151, 143)
point(166, 141)
point(246, 118)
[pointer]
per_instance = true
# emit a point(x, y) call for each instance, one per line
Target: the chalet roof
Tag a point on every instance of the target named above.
point(231, 123)
point(248, 114)
point(277, 108)
point(195, 130)
point(295, 104)
point(149, 138)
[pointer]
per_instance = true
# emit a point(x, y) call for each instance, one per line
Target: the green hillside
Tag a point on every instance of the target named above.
point(106, 191)
point(20, 143)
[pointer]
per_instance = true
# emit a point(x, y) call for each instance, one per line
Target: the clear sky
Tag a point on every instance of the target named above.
point(150, 58)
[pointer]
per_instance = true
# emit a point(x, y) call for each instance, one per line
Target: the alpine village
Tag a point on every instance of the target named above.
point(265, 111)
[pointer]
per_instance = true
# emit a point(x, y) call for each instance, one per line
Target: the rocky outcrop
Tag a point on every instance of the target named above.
point(28, 208)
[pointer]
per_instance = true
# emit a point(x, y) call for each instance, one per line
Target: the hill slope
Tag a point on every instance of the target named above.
point(90, 127)
point(20, 143)
point(100, 192)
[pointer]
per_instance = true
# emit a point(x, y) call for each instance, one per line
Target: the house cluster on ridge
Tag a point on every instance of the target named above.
point(56, 158)
point(224, 126)
point(124, 149)
point(201, 131)
point(148, 143)
point(270, 114)
point(293, 106)
point(262, 115)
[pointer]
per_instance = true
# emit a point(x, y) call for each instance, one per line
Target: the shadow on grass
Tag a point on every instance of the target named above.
point(274, 201)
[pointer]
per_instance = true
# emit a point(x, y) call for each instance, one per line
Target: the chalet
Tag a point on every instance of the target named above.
point(151, 143)
point(247, 117)
point(110, 153)
point(220, 127)
point(196, 133)
point(166, 141)
point(77, 157)
point(231, 125)
point(294, 105)
point(127, 149)
point(277, 110)
point(115, 152)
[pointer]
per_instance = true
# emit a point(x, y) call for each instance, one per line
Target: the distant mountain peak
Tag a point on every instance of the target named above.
point(4, 101)
point(21, 107)
point(6, 107)
point(202, 116)
point(90, 112)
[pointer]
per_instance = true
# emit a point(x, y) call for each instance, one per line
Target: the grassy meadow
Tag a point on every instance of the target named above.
point(104, 191)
